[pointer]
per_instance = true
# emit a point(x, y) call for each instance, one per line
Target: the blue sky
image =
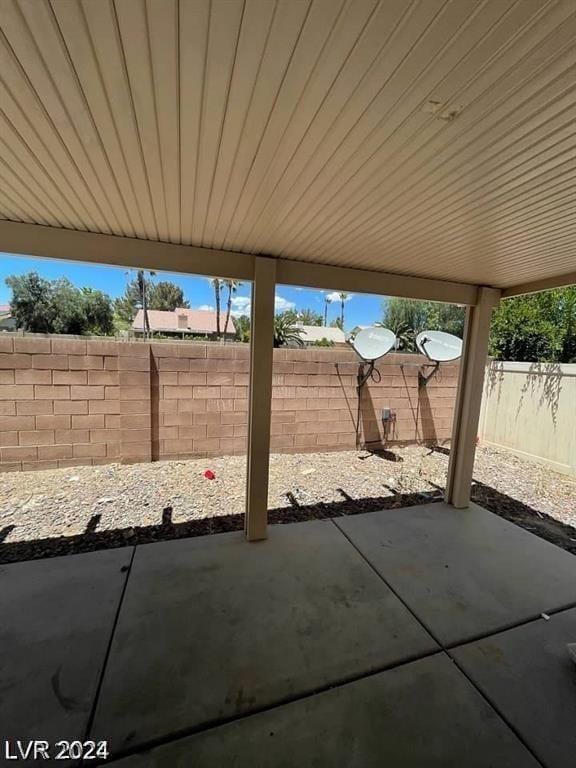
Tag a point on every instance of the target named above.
point(361, 309)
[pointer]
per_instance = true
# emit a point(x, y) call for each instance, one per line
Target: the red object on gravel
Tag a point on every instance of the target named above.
point(209, 475)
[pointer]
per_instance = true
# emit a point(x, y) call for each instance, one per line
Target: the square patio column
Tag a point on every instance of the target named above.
point(260, 397)
point(469, 399)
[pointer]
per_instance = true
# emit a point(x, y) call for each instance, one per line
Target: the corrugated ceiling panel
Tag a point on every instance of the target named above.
point(317, 130)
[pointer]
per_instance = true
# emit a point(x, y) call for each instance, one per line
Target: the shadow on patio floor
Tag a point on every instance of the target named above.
point(505, 506)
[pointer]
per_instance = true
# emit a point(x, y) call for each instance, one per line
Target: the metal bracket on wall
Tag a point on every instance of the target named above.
point(423, 380)
point(363, 376)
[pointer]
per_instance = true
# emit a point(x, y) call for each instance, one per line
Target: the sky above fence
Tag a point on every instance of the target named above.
point(360, 309)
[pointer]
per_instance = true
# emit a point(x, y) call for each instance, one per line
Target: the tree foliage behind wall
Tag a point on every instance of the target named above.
point(537, 328)
point(309, 317)
point(242, 326)
point(406, 318)
point(166, 296)
point(57, 306)
point(163, 295)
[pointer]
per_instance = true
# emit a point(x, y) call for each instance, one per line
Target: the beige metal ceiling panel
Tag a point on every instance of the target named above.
point(24, 197)
point(105, 46)
point(388, 153)
point(345, 38)
point(440, 164)
point(35, 40)
point(369, 98)
point(19, 212)
point(10, 151)
point(488, 175)
point(163, 36)
point(223, 38)
point(70, 19)
point(311, 67)
point(433, 138)
point(26, 129)
point(252, 38)
point(194, 22)
point(279, 49)
point(134, 28)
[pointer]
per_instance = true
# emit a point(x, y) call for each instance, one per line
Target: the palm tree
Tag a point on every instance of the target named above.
point(232, 286)
point(327, 300)
point(217, 288)
point(343, 297)
point(143, 288)
point(309, 317)
point(286, 331)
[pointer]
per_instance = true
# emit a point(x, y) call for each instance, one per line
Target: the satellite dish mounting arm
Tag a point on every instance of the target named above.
point(423, 380)
point(372, 373)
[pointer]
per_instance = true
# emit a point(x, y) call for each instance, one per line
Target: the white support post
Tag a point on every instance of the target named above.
point(260, 398)
point(469, 400)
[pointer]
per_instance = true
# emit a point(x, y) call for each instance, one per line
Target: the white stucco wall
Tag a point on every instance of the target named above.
point(530, 408)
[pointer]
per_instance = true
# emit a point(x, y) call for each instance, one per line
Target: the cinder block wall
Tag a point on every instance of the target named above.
point(66, 401)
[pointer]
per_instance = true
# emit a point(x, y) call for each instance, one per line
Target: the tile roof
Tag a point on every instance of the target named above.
point(314, 333)
point(197, 320)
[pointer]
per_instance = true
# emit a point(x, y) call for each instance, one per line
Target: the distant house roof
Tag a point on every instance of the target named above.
point(181, 319)
point(4, 309)
point(312, 333)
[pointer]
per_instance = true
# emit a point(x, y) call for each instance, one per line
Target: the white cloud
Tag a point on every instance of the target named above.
point(335, 296)
point(241, 305)
point(281, 304)
point(206, 306)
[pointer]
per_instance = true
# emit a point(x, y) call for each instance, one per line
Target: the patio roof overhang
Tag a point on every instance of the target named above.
point(423, 149)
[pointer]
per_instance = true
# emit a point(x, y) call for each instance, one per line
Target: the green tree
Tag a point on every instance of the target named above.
point(309, 317)
point(537, 328)
point(446, 317)
point(291, 316)
point(286, 331)
point(126, 306)
point(166, 296)
point(407, 318)
point(69, 311)
point(242, 325)
point(31, 302)
point(99, 312)
point(57, 306)
point(567, 300)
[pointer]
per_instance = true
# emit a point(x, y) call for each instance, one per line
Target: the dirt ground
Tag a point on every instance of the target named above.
point(55, 512)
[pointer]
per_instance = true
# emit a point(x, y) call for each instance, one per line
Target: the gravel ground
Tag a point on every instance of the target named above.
point(73, 510)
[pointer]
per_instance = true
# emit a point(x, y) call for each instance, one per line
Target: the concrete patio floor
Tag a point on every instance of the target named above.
point(408, 637)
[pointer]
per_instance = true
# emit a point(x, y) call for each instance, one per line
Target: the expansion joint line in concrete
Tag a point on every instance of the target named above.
point(447, 649)
point(109, 648)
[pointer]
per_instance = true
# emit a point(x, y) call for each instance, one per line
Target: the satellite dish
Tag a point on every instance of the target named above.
point(373, 343)
point(438, 346)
